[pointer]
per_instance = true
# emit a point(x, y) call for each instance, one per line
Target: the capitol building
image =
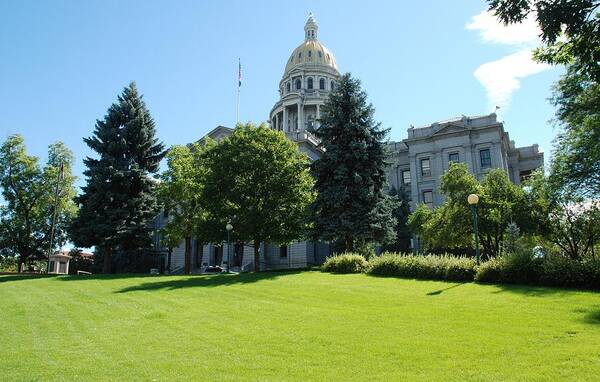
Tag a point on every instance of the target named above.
point(416, 163)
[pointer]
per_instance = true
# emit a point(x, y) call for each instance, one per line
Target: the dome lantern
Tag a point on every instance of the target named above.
point(311, 28)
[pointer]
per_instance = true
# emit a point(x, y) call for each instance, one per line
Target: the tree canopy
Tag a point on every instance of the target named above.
point(351, 209)
point(30, 198)
point(259, 181)
point(450, 225)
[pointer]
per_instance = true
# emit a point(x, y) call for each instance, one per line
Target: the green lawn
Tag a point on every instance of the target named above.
point(293, 326)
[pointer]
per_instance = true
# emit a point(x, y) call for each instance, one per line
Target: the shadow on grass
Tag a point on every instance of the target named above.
point(204, 281)
point(440, 291)
point(534, 290)
point(21, 277)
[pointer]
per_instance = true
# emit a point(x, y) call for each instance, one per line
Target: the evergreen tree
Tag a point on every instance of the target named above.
point(118, 199)
point(351, 209)
point(400, 213)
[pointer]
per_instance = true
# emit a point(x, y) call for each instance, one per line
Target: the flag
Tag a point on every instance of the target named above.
point(239, 73)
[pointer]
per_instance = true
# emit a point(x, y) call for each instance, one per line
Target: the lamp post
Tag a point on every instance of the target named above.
point(228, 227)
point(473, 199)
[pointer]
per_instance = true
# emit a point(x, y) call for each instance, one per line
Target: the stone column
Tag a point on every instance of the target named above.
point(277, 121)
point(285, 119)
point(300, 116)
point(317, 123)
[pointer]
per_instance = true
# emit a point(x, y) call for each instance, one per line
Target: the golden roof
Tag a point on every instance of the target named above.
point(310, 52)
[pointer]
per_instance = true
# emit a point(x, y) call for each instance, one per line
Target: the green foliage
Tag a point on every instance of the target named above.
point(119, 197)
point(565, 272)
point(351, 208)
point(450, 225)
point(570, 29)
point(257, 179)
point(400, 213)
point(576, 159)
point(345, 263)
point(423, 267)
point(180, 191)
point(9, 263)
point(512, 268)
point(563, 217)
point(30, 196)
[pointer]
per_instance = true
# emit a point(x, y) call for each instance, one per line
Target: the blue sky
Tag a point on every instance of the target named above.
point(62, 63)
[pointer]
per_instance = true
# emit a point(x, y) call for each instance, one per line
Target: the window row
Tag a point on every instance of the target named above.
point(309, 84)
point(485, 160)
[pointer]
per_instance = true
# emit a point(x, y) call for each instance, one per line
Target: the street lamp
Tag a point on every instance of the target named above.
point(228, 227)
point(473, 199)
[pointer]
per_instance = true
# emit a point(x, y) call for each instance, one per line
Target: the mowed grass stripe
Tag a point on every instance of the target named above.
point(293, 326)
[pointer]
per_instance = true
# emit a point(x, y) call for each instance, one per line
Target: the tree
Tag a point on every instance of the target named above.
point(259, 180)
point(570, 30)
point(351, 208)
point(400, 213)
point(563, 217)
point(119, 197)
point(180, 192)
point(450, 225)
point(576, 160)
point(30, 198)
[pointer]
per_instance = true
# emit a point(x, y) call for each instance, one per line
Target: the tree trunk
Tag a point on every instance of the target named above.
point(106, 265)
point(199, 252)
point(256, 255)
point(187, 265)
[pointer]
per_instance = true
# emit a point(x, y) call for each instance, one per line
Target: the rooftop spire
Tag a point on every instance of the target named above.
point(311, 28)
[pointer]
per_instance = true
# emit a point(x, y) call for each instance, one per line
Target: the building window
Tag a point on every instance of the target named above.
point(524, 175)
point(283, 251)
point(332, 85)
point(406, 177)
point(309, 53)
point(322, 84)
point(310, 83)
point(485, 158)
point(428, 198)
point(453, 157)
point(298, 84)
point(288, 86)
point(320, 54)
point(425, 167)
point(299, 55)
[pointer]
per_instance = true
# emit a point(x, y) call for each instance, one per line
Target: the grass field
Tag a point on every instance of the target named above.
point(293, 326)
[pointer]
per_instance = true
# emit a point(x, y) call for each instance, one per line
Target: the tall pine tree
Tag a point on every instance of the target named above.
point(119, 197)
point(351, 209)
point(401, 213)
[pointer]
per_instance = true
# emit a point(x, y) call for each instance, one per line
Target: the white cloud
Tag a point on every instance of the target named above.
point(492, 30)
point(501, 78)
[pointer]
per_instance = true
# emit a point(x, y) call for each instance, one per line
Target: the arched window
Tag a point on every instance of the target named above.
point(287, 87)
point(310, 83)
point(332, 85)
point(322, 84)
point(298, 84)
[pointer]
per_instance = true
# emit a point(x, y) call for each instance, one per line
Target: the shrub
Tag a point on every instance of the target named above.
point(520, 267)
point(345, 263)
point(423, 267)
point(558, 270)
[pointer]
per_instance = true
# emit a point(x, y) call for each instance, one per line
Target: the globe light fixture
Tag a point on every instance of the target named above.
point(473, 200)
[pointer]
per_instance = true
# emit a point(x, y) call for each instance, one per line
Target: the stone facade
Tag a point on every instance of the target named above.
point(481, 142)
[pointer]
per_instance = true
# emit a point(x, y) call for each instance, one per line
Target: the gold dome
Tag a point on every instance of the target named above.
point(310, 52)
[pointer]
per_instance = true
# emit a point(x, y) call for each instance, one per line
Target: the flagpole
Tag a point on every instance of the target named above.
point(56, 192)
point(237, 106)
